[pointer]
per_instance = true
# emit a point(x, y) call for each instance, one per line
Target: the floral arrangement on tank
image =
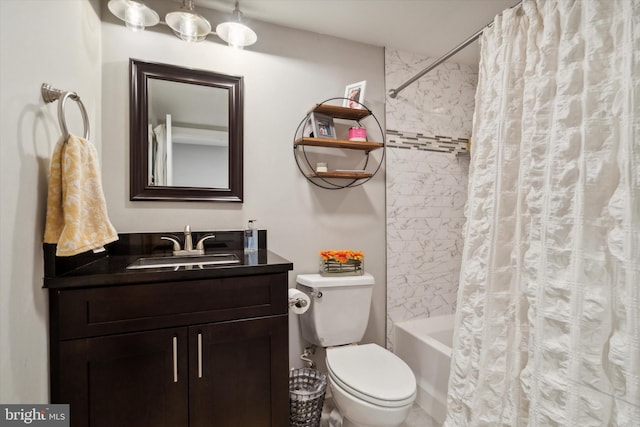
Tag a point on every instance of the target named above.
point(343, 262)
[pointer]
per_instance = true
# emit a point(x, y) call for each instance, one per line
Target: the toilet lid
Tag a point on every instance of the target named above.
point(373, 374)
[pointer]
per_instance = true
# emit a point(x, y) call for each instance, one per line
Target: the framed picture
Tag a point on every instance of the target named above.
point(322, 126)
point(354, 92)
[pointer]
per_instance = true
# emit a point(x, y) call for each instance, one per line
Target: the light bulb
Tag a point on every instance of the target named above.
point(188, 28)
point(236, 36)
point(134, 17)
point(135, 14)
point(187, 24)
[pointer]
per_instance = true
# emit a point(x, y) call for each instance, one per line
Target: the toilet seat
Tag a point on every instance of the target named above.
point(372, 374)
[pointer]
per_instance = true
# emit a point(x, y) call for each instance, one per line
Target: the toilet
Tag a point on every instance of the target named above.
point(371, 386)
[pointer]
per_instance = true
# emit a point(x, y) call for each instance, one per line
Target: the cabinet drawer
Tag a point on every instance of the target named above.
point(116, 309)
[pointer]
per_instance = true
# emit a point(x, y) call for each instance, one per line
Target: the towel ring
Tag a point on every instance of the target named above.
point(50, 94)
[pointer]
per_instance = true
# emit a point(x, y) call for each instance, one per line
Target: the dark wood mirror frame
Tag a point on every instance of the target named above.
point(140, 190)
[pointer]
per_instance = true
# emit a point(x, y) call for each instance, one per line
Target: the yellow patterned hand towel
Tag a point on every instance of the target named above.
point(76, 209)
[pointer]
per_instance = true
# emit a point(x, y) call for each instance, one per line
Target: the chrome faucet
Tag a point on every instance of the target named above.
point(188, 243)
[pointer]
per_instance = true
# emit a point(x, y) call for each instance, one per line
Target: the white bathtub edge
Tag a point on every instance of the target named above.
point(428, 358)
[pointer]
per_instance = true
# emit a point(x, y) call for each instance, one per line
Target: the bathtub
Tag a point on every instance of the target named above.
point(425, 345)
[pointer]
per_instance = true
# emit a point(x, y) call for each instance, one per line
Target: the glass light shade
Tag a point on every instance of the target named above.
point(135, 14)
point(237, 35)
point(187, 25)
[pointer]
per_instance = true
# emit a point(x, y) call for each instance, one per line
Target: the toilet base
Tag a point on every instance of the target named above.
point(358, 413)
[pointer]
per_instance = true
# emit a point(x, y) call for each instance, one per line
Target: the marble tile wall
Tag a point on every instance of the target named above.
point(439, 103)
point(428, 127)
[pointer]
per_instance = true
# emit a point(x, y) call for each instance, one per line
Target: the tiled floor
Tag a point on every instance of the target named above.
point(417, 417)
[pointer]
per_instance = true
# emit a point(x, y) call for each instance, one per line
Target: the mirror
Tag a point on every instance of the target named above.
point(186, 134)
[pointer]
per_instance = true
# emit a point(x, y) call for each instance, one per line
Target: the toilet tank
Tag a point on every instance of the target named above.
point(339, 310)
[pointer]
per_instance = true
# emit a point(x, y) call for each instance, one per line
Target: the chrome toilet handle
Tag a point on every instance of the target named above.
point(317, 294)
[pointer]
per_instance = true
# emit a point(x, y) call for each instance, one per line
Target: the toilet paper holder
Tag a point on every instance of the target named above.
point(298, 302)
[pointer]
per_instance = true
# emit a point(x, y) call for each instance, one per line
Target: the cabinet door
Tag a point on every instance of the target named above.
point(129, 380)
point(239, 373)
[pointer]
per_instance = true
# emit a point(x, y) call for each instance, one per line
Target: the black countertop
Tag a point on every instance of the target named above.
point(109, 267)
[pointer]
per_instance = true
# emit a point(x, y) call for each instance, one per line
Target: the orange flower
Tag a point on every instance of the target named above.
point(342, 256)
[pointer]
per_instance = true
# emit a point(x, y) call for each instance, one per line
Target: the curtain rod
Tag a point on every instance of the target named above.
point(394, 92)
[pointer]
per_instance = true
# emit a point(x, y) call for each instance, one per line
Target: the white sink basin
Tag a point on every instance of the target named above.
point(181, 261)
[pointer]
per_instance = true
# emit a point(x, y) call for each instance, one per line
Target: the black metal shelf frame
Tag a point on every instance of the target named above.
point(330, 183)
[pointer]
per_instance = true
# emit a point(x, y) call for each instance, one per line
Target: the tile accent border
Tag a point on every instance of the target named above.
point(418, 141)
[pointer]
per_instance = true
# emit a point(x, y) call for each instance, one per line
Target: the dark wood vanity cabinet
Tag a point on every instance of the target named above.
point(242, 374)
point(125, 380)
point(197, 353)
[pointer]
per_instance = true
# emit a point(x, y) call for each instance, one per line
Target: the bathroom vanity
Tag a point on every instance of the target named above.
point(187, 346)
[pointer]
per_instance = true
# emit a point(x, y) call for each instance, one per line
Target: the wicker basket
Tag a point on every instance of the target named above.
point(307, 389)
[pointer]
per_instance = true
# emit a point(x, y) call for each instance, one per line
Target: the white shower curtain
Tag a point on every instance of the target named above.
point(548, 314)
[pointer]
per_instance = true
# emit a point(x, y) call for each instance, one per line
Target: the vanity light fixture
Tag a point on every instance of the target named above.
point(184, 22)
point(135, 14)
point(235, 33)
point(187, 24)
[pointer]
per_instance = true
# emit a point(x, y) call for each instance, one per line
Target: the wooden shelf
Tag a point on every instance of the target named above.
point(338, 143)
point(340, 175)
point(341, 112)
point(350, 177)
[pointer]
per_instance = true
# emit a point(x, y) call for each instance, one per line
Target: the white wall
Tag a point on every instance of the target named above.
point(57, 42)
point(285, 73)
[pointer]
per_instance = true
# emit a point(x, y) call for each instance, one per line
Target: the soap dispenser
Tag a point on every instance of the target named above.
point(251, 237)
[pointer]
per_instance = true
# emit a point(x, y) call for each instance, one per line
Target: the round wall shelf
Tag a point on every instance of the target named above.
point(324, 129)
